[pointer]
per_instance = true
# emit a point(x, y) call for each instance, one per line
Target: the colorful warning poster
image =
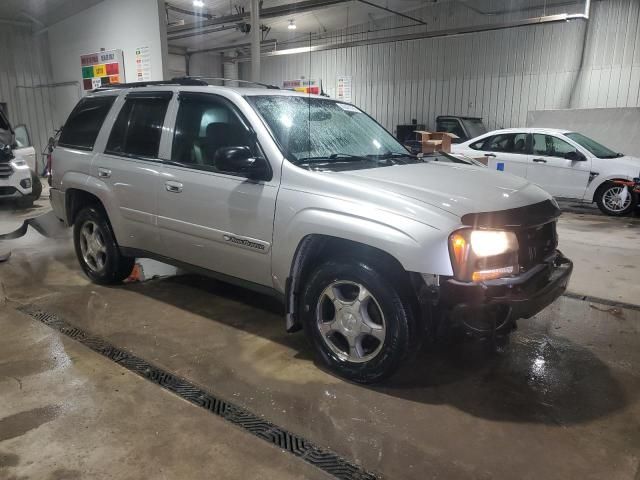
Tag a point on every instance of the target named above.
point(143, 64)
point(101, 69)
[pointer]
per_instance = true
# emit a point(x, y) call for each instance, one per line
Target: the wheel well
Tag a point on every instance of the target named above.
point(76, 200)
point(604, 184)
point(314, 249)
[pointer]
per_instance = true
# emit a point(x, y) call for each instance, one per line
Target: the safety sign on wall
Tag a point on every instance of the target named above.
point(302, 85)
point(143, 64)
point(343, 88)
point(102, 69)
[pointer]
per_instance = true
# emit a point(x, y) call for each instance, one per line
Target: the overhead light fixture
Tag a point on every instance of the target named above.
point(292, 25)
point(198, 3)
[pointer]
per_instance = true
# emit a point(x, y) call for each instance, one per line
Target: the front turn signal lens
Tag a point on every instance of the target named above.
point(459, 248)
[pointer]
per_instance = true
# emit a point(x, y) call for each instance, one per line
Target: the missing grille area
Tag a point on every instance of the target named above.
point(300, 447)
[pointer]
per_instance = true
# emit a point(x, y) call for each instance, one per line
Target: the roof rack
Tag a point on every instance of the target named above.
point(220, 79)
point(182, 81)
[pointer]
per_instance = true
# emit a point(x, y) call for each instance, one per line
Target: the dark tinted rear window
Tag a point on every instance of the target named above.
point(138, 129)
point(85, 121)
point(4, 123)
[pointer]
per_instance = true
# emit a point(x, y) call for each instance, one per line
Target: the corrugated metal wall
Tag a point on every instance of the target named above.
point(611, 72)
point(24, 64)
point(498, 75)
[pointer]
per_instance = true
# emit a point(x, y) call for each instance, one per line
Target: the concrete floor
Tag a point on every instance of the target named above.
point(562, 401)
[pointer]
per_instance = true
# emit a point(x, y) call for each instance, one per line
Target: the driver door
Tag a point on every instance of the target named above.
point(550, 169)
point(218, 220)
point(23, 147)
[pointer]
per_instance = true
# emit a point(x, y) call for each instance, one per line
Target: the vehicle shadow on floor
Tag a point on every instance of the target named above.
point(538, 378)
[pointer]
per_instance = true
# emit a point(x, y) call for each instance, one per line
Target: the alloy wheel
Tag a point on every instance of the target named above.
point(350, 321)
point(93, 247)
point(616, 199)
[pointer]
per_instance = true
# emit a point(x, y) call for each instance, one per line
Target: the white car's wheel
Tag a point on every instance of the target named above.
point(615, 200)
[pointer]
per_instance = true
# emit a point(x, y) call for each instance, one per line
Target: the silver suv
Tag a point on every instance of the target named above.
point(370, 248)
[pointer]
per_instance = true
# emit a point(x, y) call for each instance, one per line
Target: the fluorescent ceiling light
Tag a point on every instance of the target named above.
point(292, 25)
point(198, 3)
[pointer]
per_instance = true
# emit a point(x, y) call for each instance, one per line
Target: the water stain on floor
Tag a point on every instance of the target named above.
point(20, 423)
point(8, 459)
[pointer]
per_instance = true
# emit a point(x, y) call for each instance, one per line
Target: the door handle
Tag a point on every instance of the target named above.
point(104, 172)
point(539, 160)
point(490, 155)
point(173, 187)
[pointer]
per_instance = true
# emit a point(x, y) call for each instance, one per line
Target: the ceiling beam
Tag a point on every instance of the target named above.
point(271, 12)
point(560, 18)
point(395, 12)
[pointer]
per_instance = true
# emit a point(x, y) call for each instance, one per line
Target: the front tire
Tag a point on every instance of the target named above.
point(357, 320)
point(610, 202)
point(97, 250)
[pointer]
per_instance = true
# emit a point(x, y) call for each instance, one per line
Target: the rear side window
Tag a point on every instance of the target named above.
point(84, 122)
point(138, 128)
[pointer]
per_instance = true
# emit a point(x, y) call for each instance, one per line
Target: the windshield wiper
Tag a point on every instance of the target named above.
point(334, 157)
point(393, 156)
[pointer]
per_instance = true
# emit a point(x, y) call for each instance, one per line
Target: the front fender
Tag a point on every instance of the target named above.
point(416, 246)
point(598, 181)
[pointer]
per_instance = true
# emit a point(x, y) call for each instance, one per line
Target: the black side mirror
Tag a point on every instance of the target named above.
point(575, 156)
point(240, 160)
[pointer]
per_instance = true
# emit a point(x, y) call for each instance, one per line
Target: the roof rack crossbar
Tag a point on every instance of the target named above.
point(220, 79)
point(182, 81)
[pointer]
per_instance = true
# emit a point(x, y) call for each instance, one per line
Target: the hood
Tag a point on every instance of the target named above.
point(625, 165)
point(457, 189)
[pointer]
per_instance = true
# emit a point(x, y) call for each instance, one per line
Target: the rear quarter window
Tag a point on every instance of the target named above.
point(85, 121)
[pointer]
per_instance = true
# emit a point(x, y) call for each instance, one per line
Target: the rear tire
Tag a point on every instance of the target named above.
point(97, 250)
point(608, 203)
point(357, 320)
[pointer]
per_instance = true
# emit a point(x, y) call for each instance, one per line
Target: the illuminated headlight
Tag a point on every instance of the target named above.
point(479, 255)
point(19, 164)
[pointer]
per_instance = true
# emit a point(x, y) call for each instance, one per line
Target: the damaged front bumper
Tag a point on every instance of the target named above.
point(491, 306)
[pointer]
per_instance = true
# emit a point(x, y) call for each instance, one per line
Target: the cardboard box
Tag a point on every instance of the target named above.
point(436, 141)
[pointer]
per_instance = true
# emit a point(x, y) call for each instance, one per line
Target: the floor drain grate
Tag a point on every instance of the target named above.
point(323, 459)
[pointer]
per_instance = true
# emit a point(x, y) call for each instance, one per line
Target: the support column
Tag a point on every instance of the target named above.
point(255, 40)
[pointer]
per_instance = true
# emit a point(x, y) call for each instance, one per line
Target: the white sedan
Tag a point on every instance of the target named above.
point(566, 164)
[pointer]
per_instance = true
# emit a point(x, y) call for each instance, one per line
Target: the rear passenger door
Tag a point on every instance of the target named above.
point(129, 168)
point(215, 219)
point(506, 152)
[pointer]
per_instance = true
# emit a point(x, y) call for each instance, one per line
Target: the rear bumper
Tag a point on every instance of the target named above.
point(487, 306)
